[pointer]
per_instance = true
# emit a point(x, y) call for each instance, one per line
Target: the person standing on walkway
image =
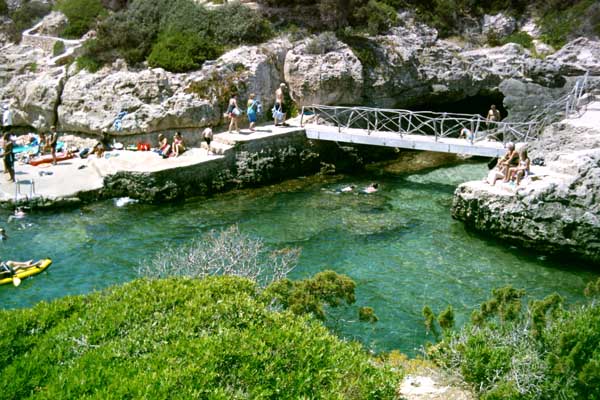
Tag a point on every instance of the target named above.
point(207, 136)
point(278, 110)
point(9, 157)
point(252, 111)
point(493, 115)
point(234, 112)
point(53, 141)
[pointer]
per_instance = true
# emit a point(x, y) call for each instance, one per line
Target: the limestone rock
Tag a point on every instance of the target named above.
point(499, 25)
point(557, 210)
point(579, 56)
point(157, 100)
point(331, 78)
point(153, 99)
point(52, 24)
point(526, 99)
point(542, 49)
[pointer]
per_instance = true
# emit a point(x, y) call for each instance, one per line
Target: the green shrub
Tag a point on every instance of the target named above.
point(521, 38)
point(58, 48)
point(81, 15)
point(541, 352)
point(235, 24)
point(3, 7)
point(87, 63)
point(180, 338)
point(322, 43)
point(181, 51)
point(155, 26)
point(377, 16)
point(308, 296)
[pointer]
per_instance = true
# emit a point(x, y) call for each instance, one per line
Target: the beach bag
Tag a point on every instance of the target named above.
point(538, 161)
point(252, 109)
point(236, 112)
point(277, 114)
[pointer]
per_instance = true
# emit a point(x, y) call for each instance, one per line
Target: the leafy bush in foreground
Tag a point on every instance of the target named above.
point(542, 352)
point(179, 338)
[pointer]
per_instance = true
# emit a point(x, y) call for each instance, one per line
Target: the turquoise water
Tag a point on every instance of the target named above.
point(400, 245)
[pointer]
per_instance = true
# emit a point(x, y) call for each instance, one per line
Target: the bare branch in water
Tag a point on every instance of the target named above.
point(226, 252)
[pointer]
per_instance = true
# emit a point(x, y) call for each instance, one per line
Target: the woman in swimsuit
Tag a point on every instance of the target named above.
point(234, 112)
point(178, 144)
point(164, 148)
point(522, 169)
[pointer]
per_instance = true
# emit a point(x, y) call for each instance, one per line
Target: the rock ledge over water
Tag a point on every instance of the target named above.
point(557, 211)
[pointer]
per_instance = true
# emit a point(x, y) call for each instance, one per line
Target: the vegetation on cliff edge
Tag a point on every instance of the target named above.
point(542, 351)
point(216, 337)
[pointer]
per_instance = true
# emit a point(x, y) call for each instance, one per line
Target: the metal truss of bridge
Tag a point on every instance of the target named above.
point(433, 131)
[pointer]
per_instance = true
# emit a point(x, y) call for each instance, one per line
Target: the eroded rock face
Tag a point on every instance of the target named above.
point(558, 211)
point(153, 99)
point(53, 24)
point(409, 66)
point(499, 25)
point(157, 100)
point(579, 56)
point(335, 77)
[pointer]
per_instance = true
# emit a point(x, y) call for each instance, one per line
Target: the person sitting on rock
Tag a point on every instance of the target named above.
point(510, 159)
point(98, 150)
point(521, 170)
point(164, 148)
point(178, 144)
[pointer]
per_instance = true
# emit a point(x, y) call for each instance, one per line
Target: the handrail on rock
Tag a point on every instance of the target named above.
point(444, 124)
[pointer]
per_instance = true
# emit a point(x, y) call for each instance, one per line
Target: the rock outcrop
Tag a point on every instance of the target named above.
point(335, 77)
point(407, 67)
point(578, 56)
point(558, 209)
point(498, 25)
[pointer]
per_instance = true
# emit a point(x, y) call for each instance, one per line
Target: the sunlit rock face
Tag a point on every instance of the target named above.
point(557, 210)
point(406, 67)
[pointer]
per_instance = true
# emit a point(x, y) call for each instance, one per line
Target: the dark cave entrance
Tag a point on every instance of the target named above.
point(478, 104)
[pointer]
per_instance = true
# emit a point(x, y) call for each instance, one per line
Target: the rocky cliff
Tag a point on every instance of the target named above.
point(406, 67)
point(557, 210)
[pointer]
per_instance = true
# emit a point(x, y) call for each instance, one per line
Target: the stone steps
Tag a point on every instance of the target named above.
point(216, 147)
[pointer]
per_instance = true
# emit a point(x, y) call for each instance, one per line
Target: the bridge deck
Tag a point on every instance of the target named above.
point(417, 142)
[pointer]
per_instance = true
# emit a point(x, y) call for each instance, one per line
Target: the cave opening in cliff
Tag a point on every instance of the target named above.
point(478, 104)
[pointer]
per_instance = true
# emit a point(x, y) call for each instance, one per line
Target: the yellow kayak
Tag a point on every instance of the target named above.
point(26, 272)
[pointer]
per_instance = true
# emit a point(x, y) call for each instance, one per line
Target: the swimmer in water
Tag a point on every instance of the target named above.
point(372, 188)
point(348, 188)
point(3, 234)
point(19, 213)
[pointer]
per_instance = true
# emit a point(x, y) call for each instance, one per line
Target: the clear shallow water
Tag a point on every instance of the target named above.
point(400, 245)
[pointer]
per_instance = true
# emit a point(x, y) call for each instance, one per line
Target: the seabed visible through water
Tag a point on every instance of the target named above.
point(399, 244)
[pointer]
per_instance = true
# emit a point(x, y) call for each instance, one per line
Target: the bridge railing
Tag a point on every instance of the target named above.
point(405, 122)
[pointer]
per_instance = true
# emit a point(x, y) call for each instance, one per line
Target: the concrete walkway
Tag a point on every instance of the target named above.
point(70, 177)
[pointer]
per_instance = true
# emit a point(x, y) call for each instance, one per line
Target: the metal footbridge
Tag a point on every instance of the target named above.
point(433, 131)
